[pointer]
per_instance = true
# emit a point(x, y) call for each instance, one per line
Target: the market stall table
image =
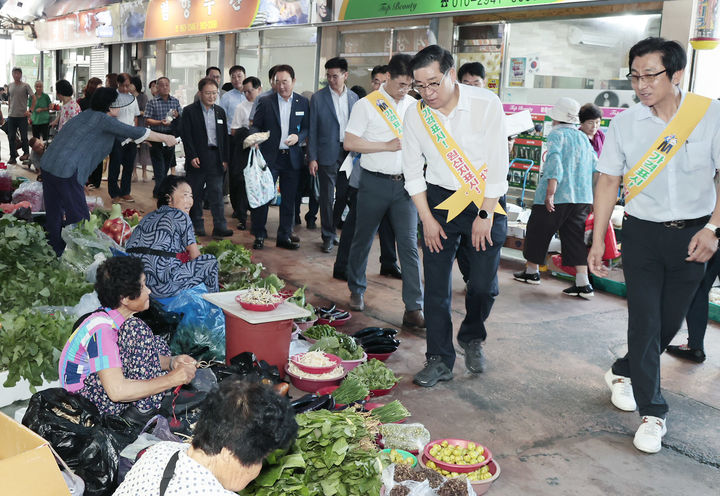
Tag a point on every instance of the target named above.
point(266, 334)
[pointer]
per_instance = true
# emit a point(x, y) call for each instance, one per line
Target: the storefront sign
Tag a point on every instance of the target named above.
point(170, 18)
point(346, 10)
point(85, 28)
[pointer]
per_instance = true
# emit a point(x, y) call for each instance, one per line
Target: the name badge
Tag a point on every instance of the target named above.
point(300, 112)
point(219, 121)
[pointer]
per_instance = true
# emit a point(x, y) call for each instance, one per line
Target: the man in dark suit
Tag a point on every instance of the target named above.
point(329, 112)
point(286, 115)
point(205, 139)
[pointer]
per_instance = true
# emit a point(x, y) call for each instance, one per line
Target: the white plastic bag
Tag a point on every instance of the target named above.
point(31, 191)
point(259, 182)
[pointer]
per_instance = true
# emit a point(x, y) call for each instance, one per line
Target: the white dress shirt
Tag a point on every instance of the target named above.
point(242, 115)
point(285, 108)
point(366, 122)
point(477, 124)
point(341, 110)
point(127, 114)
point(684, 189)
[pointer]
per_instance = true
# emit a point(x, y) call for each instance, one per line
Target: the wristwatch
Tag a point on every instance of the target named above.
point(712, 227)
point(483, 214)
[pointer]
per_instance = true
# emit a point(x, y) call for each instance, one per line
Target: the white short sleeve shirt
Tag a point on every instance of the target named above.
point(684, 189)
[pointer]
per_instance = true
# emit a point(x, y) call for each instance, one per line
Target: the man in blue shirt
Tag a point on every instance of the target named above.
point(76, 150)
point(161, 114)
point(231, 99)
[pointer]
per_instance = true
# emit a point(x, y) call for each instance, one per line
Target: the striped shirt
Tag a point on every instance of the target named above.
point(91, 348)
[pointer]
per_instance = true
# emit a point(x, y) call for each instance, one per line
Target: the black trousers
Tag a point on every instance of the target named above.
point(95, 177)
point(482, 285)
point(162, 158)
point(569, 220)
point(15, 124)
point(660, 286)
point(41, 131)
point(207, 180)
point(121, 155)
point(697, 316)
point(306, 188)
point(282, 169)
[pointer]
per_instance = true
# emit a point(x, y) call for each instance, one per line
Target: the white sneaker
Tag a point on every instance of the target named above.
point(648, 437)
point(622, 392)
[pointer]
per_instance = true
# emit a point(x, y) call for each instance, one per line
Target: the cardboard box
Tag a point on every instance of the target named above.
point(516, 243)
point(27, 463)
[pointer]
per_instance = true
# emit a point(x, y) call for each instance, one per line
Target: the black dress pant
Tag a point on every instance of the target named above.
point(482, 287)
point(207, 180)
point(162, 158)
point(697, 316)
point(283, 170)
point(660, 286)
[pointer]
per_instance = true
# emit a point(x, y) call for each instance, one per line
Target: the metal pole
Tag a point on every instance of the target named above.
point(691, 75)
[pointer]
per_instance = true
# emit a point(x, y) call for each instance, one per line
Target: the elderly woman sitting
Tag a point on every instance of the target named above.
point(165, 241)
point(240, 424)
point(112, 358)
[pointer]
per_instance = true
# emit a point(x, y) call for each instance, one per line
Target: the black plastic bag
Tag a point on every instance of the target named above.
point(161, 322)
point(76, 431)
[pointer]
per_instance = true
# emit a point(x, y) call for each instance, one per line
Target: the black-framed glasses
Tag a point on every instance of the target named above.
point(422, 88)
point(645, 78)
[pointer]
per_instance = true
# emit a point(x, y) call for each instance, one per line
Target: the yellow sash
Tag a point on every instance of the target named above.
point(668, 143)
point(473, 184)
point(388, 113)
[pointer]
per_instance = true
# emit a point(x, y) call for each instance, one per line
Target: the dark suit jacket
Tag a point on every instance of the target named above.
point(324, 139)
point(267, 118)
point(195, 142)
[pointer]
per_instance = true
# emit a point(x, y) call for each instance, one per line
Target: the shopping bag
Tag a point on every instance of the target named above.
point(259, 182)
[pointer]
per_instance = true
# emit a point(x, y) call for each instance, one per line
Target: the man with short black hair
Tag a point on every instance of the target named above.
point(18, 113)
point(329, 112)
point(375, 130)
point(459, 131)
point(231, 99)
point(285, 115)
point(160, 113)
point(472, 73)
point(378, 76)
point(271, 78)
point(205, 139)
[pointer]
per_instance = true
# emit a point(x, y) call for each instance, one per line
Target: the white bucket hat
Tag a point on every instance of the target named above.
point(565, 110)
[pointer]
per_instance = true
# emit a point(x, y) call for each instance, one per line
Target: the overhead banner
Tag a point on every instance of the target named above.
point(170, 18)
point(86, 28)
point(350, 10)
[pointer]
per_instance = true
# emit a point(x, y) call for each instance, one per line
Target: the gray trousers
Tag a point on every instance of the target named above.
point(378, 196)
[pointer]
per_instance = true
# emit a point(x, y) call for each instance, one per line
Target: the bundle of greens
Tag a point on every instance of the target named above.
point(350, 390)
point(298, 298)
point(31, 273)
point(236, 269)
point(339, 345)
point(320, 331)
point(333, 455)
point(30, 345)
point(374, 374)
point(392, 412)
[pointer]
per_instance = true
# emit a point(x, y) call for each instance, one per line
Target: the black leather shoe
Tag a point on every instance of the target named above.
point(311, 224)
point(287, 244)
point(391, 271)
point(242, 225)
point(683, 351)
point(327, 246)
point(294, 238)
point(219, 232)
point(336, 242)
point(435, 370)
point(339, 274)
point(474, 356)
point(259, 243)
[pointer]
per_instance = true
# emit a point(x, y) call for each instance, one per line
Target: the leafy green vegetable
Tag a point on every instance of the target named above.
point(320, 331)
point(236, 269)
point(392, 412)
point(299, 299)
point(374, 374)
point(31, 273)
point(332, 455)
point(339, 345)
point(350, 390)
point(30, 345)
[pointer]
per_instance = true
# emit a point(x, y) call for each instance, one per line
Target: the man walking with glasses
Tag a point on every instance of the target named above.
point(459, 131)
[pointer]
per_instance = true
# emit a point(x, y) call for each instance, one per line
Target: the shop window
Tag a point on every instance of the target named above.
point(585, 59)
point(258, 51)
point(187, 61)
point(482, 43)
point(364, 49)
